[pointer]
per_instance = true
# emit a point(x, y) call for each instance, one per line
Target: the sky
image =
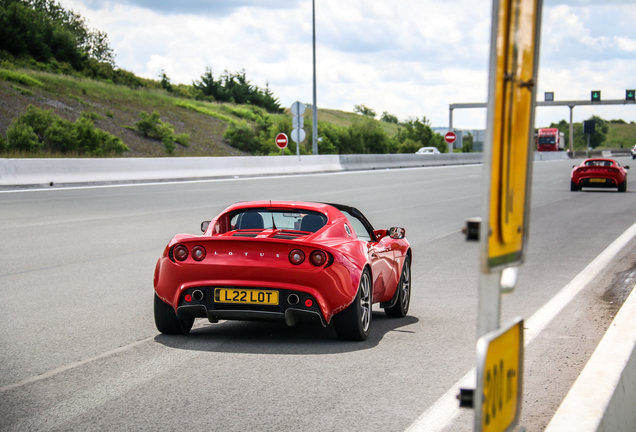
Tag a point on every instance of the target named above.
point(410, 58)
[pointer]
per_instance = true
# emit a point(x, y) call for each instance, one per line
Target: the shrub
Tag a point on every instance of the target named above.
point(21, 137)
point(183, 139)
point(409, 146)
point(151, 126)
point(38, 129)
point(241, 136)
point(62, 136)
point(149, 123)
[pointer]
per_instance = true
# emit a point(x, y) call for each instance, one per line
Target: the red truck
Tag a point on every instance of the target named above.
point(550, 140)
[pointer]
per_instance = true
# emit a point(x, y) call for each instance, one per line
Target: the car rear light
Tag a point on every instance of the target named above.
point(198, 253)
point(187, 298)
point(296, 257)
point(309, 303)
point(581, 170)
point(318, 258)
point(180, 253)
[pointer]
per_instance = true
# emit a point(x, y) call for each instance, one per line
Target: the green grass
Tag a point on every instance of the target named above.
point(22, 91)
point(19, 78)
point(198, 107)
point(620, 135)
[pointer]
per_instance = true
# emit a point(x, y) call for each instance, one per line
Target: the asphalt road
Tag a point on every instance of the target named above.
point(80, 350)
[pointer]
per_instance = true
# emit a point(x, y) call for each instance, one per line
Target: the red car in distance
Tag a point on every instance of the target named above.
point(287, 261)
point(599, 173)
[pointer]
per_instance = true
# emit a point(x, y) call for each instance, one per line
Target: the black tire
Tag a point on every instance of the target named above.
point(403, 292)
point(166, 319)
point(573, 186)
point(354, 322)
point(623, 187)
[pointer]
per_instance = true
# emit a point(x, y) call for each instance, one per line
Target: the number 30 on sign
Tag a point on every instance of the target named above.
point(499, 378)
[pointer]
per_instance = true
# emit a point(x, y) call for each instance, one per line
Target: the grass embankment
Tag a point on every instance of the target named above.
point(120, 107)
point(621, 135)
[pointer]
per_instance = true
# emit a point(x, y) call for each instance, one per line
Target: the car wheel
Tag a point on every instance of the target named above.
point(166, 319)
point(401, 307)
point(623, 187)
point(573, 186)
point(354, 322)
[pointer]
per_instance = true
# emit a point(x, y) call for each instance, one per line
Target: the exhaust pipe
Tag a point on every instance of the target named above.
point(198, 295)
point(293, 299)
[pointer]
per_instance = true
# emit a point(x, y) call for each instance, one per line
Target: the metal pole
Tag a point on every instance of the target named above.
point(489, 303)
point(314, 130)
point(571, 140)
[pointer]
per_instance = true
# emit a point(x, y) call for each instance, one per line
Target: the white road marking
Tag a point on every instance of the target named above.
point(446, 409)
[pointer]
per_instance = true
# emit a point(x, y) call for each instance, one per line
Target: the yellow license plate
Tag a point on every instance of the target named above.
point(245, 296)
point(597, 180)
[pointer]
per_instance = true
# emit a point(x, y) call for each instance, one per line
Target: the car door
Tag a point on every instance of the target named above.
point(380, 255)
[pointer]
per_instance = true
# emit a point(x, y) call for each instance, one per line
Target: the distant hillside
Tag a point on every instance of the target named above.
point(118, 108)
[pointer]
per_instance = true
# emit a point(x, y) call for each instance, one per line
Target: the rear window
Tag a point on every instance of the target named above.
point(293, 220)
point(599, 163)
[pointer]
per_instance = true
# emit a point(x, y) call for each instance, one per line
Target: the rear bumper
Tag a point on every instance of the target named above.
point(588, 182)
point(291, 315)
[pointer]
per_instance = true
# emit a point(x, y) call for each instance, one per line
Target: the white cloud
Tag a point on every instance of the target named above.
point(408, 57)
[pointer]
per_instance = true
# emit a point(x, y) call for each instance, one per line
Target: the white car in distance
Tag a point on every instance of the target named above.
point(428, 150)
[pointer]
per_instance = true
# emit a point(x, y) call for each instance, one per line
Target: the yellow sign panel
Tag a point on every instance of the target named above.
point(499, 379)
point(511, 123)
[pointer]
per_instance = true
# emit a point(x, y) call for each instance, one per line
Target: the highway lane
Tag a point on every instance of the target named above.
point(76, 283)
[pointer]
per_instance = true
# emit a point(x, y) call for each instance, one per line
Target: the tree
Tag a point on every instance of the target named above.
point(43, 29)
point(165, 81)
point(467, 143)
point(389, 118)
point(364, 110)
point(420, 131)
point(600, 132)
point(235, 88)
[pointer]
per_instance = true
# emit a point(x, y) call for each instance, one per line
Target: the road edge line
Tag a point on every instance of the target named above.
point(446, 408)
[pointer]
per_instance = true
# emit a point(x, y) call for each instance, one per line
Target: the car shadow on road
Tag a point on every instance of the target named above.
point(249, 337)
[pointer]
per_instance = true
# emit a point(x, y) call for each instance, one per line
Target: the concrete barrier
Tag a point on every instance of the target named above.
point(30, 172)
point(370, 161)
point(603, 398)
point(46, 171)
point(544, 156)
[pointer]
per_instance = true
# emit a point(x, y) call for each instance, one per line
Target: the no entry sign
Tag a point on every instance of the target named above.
point(281, 140)
point(450, 137)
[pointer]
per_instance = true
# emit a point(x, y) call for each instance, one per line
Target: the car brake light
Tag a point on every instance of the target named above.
point(187, 298)
point(296, 256)
point(198, 253)
point(180, 253)
point(309, 303)
point(318, 258)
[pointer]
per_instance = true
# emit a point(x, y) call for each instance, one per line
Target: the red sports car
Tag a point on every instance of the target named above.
point(284, 260)
point(599, 173)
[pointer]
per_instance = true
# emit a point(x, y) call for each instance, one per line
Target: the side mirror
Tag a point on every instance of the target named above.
point(205, 225)
point(626, 167)
point(397, 233)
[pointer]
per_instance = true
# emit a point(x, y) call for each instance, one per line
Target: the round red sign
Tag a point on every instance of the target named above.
point(450, 137)
point(281, 140)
